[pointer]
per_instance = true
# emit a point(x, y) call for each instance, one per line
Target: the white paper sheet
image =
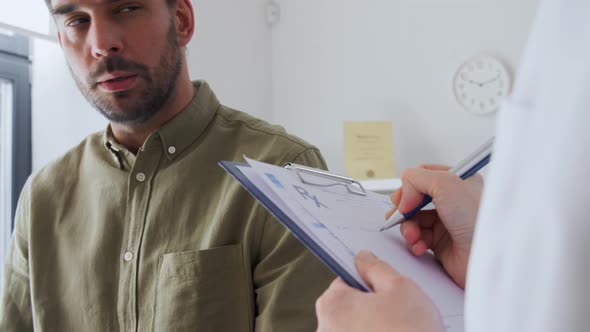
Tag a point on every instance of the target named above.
point(343, 224)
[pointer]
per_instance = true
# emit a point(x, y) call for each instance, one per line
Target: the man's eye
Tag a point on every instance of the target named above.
point(128, 9)
point(75, 22)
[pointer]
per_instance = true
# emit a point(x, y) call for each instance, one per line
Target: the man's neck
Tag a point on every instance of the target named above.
point(133, 137)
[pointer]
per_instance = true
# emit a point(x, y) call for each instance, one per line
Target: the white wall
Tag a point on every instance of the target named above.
point(338, 60)
point(25, 14)
point(61, 116)
point(230, 49)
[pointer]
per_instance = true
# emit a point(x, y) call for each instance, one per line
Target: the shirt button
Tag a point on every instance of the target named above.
point(128, 256)
point(140, 177)
point(172, 150)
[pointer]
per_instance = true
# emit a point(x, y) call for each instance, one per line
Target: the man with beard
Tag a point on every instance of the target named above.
point(137, 228)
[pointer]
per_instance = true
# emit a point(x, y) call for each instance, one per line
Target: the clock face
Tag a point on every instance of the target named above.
point(481, 84)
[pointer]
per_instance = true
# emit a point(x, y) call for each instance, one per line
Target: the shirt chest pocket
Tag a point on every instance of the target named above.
point(203, 290)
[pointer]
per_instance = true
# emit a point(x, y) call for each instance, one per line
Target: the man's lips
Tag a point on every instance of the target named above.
point(117, 83)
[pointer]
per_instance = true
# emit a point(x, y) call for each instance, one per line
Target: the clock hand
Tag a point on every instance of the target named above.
point(474, 82)
point(490, 80)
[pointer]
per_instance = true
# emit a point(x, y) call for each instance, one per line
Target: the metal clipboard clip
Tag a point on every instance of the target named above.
point(353, 186)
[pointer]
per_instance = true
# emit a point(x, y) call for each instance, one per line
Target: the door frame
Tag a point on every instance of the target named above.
point(15, 67)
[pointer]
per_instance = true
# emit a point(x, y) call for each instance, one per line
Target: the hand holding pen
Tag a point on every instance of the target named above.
point(467, 168)
point(448, 230)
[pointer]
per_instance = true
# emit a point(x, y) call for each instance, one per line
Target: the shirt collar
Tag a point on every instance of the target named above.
point(184, 129)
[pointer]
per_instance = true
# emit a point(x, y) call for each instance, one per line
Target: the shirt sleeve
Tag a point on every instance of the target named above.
point(15, 305)
point(288, 278)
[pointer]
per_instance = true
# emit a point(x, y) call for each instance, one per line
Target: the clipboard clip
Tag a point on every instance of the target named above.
point(353, 186)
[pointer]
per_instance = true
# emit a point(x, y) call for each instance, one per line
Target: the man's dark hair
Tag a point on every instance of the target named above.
point(169, 2)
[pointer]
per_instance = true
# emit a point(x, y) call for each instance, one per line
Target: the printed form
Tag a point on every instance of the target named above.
point(343, 224)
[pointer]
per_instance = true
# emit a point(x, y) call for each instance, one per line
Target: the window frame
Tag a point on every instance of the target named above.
point(15, 67)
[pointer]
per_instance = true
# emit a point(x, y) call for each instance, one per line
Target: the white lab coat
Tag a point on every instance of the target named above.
point(530, 264)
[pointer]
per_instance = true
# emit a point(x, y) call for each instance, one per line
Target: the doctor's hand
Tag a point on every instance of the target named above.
point(397, 303)
point(448, 230)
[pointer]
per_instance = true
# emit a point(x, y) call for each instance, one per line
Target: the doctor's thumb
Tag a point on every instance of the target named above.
point(377, 274)
point(416, 183)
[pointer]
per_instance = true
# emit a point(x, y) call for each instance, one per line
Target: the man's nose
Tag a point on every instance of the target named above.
point(105, 40)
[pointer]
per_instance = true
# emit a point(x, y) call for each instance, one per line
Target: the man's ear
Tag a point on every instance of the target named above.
point(184, 18)
point(59, 38)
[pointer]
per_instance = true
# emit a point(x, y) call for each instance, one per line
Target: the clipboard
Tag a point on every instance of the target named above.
point(335, 217)
point(353, 186)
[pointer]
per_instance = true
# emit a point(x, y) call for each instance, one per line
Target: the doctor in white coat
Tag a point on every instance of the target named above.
point(527, 265)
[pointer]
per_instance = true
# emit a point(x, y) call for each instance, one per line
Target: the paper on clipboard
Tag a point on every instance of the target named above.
point(342, 224)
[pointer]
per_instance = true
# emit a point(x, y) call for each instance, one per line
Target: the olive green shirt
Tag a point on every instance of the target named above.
point(164, 240)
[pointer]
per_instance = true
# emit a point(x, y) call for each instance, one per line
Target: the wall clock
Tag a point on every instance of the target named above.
point(481, 83)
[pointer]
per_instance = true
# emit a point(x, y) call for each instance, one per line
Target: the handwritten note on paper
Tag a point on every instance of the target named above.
point(368, 150)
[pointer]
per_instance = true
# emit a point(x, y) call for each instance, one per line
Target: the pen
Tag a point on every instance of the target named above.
point(465, 169)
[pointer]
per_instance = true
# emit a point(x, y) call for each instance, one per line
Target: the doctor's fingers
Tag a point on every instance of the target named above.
point(422, 219)
point(412, 229)
point(418, 238)
point(417, 182)
point(337, 297)
point(395, 198)
point(397, 195)
point(434, 167)
point(378, 275)
point(428, 179)
point(475, 184)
